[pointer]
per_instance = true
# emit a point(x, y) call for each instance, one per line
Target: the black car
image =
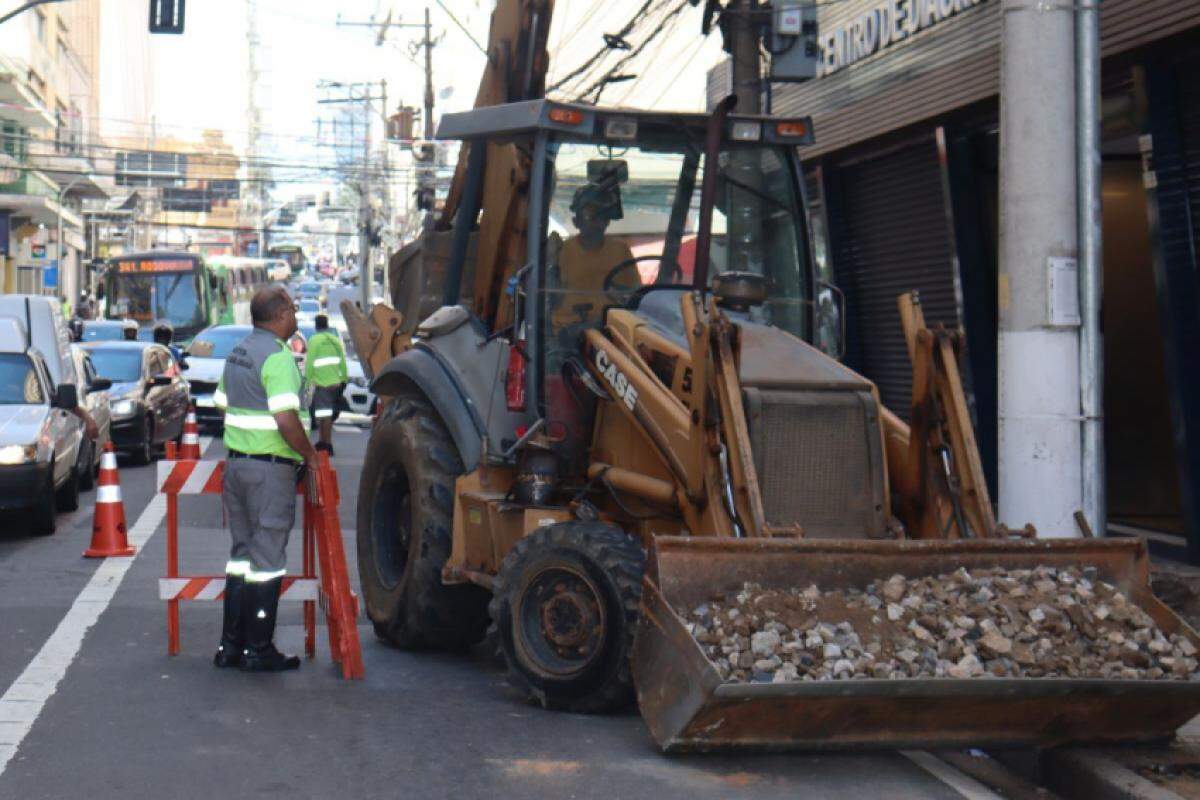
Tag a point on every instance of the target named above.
point(149, 395)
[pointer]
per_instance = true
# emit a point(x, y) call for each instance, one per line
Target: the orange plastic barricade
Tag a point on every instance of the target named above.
point(322, 544)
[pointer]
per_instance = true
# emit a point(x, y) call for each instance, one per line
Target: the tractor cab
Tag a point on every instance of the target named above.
point(614, 200)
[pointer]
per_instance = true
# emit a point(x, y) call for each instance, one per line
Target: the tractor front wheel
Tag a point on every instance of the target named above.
point(565, 607)
point(405, 505)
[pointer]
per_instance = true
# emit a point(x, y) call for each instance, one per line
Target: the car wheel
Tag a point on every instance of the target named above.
point(87, 460)
point(67, 497)
point(144, 453)
point(42, 518)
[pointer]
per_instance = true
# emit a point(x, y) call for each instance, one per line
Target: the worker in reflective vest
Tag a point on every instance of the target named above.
point(268, 446)
point(325, 369)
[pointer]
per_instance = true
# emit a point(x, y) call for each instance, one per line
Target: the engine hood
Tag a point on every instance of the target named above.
point(774, 359)
point(22, 424)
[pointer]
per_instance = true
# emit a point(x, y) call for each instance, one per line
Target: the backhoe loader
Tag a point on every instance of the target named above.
point(603, 403)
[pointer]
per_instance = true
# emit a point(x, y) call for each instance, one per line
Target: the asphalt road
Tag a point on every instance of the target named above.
point(127, 721)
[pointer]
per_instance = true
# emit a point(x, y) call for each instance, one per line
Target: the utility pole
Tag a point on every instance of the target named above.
point(254, 126)
point(364, 211)
point(387, 185)
point(746, 212)
point(428, 43)
point(742, 44)
point(1039, 382)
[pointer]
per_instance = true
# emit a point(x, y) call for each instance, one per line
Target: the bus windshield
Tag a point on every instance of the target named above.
point(148, 297)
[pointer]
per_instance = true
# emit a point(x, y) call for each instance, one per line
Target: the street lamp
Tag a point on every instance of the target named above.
point(61, 271)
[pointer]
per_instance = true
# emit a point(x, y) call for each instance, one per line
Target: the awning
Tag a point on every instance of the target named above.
point(39, 210)
point(19, 104)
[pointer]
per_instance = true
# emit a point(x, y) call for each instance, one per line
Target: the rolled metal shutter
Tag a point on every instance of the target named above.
point(889, 231)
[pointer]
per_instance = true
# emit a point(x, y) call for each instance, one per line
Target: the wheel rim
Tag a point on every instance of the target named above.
point(561, 621)
point(391, 526)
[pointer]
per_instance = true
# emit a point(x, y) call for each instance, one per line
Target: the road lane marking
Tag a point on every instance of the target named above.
point(24, 700)
point(959, 781)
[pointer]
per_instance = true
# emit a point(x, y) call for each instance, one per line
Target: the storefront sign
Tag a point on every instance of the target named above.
point(885, 24)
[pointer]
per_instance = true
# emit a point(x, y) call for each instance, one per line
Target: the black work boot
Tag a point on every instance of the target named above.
point(262, 603)
point(233, 632)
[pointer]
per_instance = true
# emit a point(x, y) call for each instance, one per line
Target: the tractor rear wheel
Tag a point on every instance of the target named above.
point(565, 608)
point(405, 507)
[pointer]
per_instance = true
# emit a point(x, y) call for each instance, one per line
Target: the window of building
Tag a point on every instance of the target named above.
point(37, 84)
point(40, 24)
point(61, 52)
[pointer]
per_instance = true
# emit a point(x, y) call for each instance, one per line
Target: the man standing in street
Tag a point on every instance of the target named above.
point(326, 370)
point(268, 446)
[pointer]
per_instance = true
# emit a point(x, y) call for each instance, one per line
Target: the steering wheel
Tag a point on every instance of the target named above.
point(608, 288)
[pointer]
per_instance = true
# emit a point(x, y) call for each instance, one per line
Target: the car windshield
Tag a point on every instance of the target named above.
point(118, 365)
point(217, 342)
point(19, 384)
point(100, 332)
point(621, 218)
point(309, 306)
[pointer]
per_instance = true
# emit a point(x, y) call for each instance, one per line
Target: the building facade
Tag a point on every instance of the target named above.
point(903, 186)
point(49, 90)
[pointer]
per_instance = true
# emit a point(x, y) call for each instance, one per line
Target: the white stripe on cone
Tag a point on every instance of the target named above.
point(108, 494)
point(191, 438)
point(108, 461)
point(191, 418)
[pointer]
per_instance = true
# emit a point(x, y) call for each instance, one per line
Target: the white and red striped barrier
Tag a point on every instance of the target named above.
point(190, 477)
point(213, 588)
point(322, 539)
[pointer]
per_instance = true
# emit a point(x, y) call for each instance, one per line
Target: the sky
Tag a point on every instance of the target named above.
point(200, 77)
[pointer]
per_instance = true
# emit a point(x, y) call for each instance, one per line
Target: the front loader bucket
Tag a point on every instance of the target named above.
point(687, 706)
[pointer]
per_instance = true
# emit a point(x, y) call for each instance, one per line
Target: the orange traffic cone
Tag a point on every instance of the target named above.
point(108, 525)
point(189, 444)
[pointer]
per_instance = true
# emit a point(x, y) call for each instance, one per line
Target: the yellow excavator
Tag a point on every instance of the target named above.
point(603, 405)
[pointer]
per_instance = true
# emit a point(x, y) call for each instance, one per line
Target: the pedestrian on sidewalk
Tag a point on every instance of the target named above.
point(269, 450)
point(325, 368)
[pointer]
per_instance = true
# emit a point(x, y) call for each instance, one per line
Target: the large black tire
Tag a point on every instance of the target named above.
point(565, 608)
point(87, 465)
point(405, 507)
point(42, 520)
point(144, 452)
point(67, 496)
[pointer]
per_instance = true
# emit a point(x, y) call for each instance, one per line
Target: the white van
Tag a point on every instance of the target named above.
point(41, 454)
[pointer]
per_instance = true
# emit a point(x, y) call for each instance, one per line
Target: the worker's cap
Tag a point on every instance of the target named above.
point(604, 201)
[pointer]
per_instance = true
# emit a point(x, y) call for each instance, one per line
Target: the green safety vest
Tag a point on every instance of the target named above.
point(260, 380)
point(326, 362)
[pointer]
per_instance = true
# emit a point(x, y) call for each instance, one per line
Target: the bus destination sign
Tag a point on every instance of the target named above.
point(156, 265)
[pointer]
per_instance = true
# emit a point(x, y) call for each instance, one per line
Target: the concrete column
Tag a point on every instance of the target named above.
point(1039, 426)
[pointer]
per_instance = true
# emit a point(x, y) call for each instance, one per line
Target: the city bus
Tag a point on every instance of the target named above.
point(182, 288)
point(293, 254)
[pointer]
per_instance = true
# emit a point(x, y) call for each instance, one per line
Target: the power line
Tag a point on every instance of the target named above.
point(599, 84)
point(625, 29)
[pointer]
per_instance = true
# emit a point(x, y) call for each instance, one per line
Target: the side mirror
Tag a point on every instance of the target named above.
point(99, 385)
point(66, 397)
point(161, 380)
point(183, 364)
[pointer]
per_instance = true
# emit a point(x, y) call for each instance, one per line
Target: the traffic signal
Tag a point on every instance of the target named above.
point(166, 16)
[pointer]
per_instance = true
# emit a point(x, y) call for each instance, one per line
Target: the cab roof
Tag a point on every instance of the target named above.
point(512, 119)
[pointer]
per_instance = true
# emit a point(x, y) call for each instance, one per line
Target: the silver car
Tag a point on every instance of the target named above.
point(93, 396)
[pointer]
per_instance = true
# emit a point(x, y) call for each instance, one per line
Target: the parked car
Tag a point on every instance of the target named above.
point(103, 330)
point(205, 362)
point(311, 290)
point(93, 395)
point(358, 395)
point(39, 436)
point(149, 397)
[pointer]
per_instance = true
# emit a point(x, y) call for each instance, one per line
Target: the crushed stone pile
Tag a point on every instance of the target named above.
point(1024, 623)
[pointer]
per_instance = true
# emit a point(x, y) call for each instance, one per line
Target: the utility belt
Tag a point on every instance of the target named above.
point(300, 466)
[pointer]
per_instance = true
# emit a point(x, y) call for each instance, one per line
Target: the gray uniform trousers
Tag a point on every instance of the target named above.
point(260, 504)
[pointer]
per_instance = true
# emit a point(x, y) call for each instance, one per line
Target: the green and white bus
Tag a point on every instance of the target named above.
point(182, 288)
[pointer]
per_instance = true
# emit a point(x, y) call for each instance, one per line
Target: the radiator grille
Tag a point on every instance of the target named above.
point(817, 462)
